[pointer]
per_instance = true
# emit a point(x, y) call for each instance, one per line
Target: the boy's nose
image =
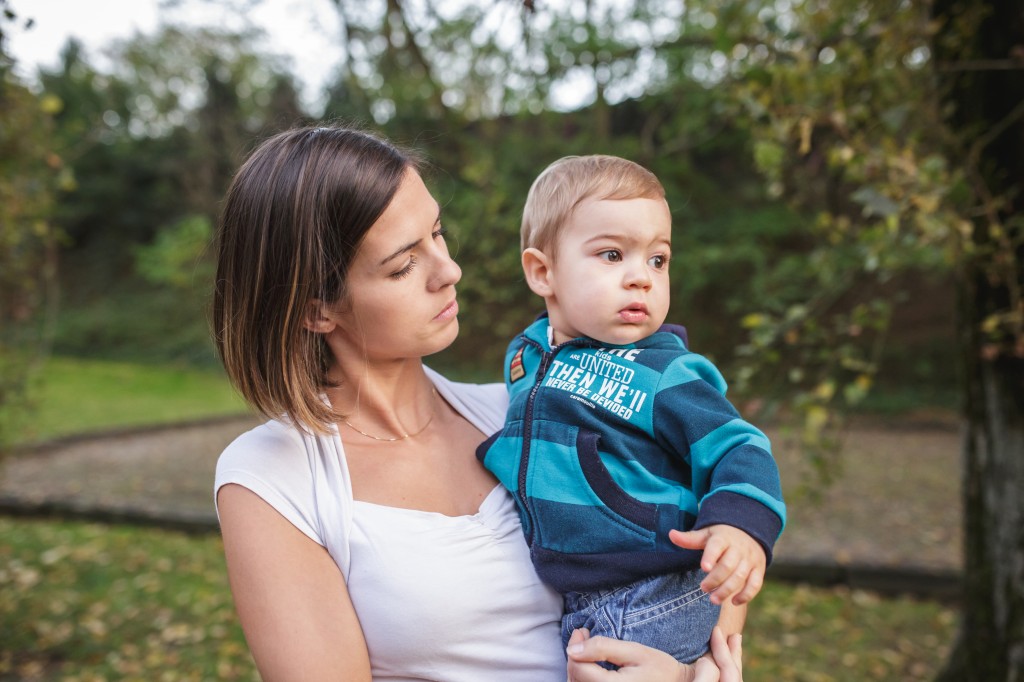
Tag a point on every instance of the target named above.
point(638, 277)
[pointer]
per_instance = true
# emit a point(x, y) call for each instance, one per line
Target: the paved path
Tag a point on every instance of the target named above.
point(893, 510)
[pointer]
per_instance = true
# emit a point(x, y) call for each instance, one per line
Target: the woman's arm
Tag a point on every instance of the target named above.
point(290, 596)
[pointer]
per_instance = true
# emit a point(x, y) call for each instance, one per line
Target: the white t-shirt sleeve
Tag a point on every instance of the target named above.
point(271, 461)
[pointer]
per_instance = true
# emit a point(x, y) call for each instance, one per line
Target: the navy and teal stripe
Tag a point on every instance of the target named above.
point(607, 449)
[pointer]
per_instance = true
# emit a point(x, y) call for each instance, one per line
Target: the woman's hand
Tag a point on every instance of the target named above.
point(643, 664)
point(727, 655)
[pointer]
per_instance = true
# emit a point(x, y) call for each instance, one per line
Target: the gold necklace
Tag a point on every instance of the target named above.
point(433, 403)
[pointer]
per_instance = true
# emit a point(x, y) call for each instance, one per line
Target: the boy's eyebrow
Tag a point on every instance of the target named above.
point(610, 236)
point(620, 237)
point(410, 246)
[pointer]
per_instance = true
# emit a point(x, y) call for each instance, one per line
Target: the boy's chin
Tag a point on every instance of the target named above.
point(624, 337)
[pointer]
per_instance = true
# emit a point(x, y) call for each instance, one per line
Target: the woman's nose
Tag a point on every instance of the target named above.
point(446, 271)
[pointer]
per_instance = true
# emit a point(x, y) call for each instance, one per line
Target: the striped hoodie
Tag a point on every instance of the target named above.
point(607, 448)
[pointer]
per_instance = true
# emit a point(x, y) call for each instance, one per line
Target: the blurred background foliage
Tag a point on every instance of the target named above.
point(845, 178)
point(801, 145)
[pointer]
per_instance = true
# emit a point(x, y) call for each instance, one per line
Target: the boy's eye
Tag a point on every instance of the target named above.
point(658, 262)
point(611, 256)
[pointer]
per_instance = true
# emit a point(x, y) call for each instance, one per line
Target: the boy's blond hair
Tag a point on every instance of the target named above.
point(570, 181)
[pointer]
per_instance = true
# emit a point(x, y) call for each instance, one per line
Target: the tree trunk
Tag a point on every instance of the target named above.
point(990, 645)
point(985, 85)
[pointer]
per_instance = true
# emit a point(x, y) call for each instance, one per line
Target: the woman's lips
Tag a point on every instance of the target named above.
point(450, 311)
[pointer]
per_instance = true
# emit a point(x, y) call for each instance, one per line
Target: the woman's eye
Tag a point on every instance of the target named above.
point(439, 232)
point(611, 256)
point(658, 262)
point(404, 272)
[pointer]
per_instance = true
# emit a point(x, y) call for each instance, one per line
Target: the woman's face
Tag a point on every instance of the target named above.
point(400, 291)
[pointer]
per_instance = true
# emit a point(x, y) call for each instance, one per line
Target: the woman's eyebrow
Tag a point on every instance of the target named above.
point(410, 246)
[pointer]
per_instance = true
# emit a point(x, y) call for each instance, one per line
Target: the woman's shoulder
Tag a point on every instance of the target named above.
point(288, 468)
point(271, 441)
point(489, 392)
point(484, 405)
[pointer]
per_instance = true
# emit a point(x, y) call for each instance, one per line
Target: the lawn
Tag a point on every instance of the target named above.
point(81, 601)
point(74, 396)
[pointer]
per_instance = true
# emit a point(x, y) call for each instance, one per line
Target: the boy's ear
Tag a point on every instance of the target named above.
point(317, 319)
point(537, 269)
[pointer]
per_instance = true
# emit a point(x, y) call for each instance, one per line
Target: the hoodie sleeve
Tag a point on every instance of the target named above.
point(734, 475)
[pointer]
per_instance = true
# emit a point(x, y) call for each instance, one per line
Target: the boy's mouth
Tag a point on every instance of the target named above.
point(636, 312)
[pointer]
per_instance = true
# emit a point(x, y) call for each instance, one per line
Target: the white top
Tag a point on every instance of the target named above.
point(452, 598)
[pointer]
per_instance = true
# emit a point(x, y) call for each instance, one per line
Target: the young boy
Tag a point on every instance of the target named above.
point(616, 434)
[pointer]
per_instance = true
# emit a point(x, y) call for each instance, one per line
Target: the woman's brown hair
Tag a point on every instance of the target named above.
point(291, 223)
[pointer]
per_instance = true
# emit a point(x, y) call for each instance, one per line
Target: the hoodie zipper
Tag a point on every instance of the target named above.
point(524, 458)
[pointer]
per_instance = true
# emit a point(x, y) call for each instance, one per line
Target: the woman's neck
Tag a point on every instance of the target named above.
point(384, 402)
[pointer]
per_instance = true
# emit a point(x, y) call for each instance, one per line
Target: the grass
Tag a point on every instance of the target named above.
point(74, 396)
point(808, 634)
point(88, 602)
point(81, 601)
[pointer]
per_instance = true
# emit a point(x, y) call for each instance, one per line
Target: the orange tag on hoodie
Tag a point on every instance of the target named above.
point(515, 368)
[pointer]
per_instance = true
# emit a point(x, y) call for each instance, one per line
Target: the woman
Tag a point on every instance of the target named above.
point(363, 538)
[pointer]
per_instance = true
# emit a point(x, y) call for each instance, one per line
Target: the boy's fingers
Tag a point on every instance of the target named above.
point(718, 567)
point(754, 583)
point(715, 551)
point(732, 583)
point(691, 539)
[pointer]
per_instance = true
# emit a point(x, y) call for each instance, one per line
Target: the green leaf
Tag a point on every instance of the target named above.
point(875, 203)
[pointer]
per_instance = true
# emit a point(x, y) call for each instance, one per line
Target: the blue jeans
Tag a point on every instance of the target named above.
point(667, 612)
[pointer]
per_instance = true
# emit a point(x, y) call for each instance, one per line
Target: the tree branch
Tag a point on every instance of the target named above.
point(981, 65)
point(395, 8)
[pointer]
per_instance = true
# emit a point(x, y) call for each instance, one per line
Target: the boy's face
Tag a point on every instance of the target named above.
point(609, 280)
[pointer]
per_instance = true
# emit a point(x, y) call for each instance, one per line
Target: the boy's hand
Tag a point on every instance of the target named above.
point(734, 561)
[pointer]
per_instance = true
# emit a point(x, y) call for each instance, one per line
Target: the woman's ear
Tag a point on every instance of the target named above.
point(318, 318)
point(537, 269)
